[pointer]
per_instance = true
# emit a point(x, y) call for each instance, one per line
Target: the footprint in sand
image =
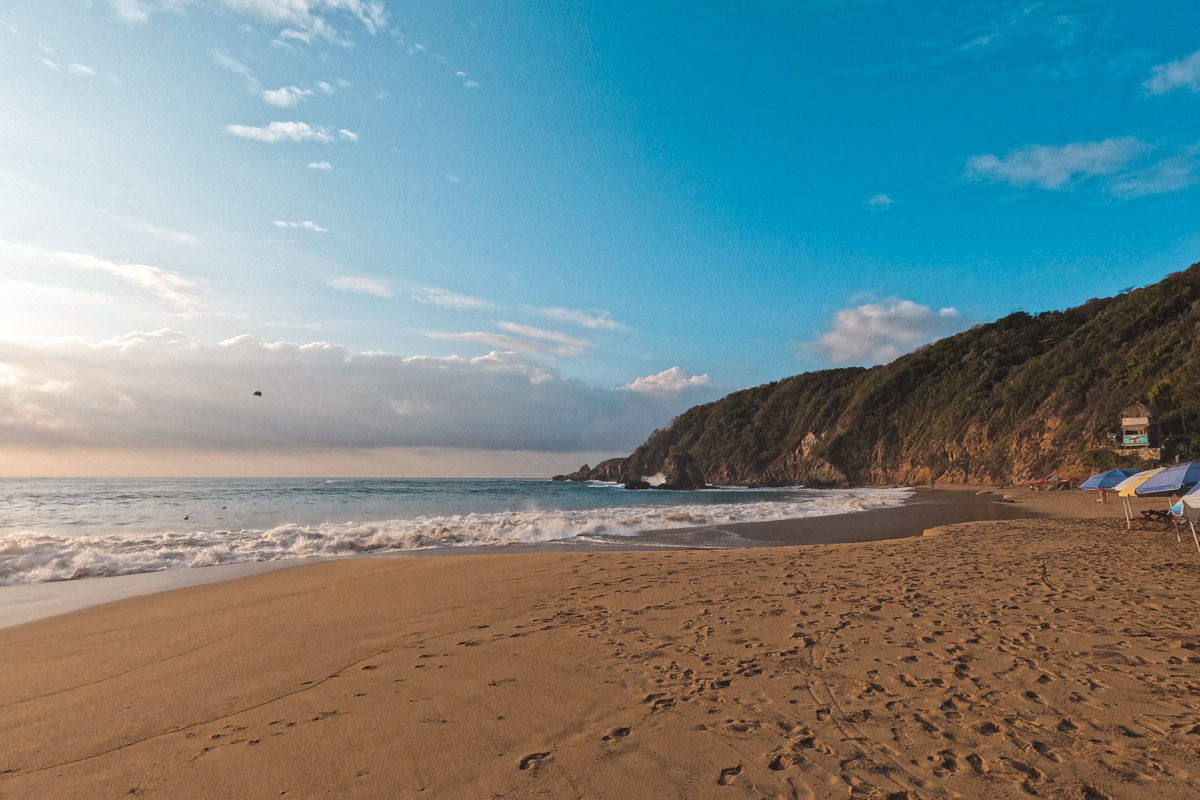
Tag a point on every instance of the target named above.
point(614, 734)
point(659, 701)
point(532, 761)
point(1044, 750)
point(742, 725)
point(728, 774)
point(977, 763)
point(944, 763)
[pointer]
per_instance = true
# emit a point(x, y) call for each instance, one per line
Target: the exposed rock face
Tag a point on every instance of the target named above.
point(1025, 396)
point(631, 484)
point(610, 470)
point(582, 474)
point(680, 472)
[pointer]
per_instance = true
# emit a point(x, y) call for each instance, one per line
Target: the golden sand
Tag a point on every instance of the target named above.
point(1050, 658)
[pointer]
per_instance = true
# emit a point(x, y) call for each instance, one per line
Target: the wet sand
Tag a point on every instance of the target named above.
point(926, 509)
point(1045, 657)
point(29, 602)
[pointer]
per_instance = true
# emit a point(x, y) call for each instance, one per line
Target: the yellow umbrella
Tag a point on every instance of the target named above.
point(1125, 490)
point(1127, 487)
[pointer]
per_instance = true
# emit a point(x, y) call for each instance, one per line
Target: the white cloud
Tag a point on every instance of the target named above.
point(1119, 164)
point(325, 87)
point(307, 225)
point(82, 70)
point(282, 132)
point(446, 298)
point(301, 20)
point(472, 85)
point(349, 135)
point(169, 286)
point(597, 321)
point(1184, 73)
point(671, 381)
point(165, 234)
point(223, 59)
point(879, 332)
point(510, 344)
point(879, 202)
point(452, 178)
point(1171, 174)
point(286, 96)
point(372, 286)
point(164, 390)
point(1056, 167)
point(322, 165)
point(571, 344)
point(130, 11)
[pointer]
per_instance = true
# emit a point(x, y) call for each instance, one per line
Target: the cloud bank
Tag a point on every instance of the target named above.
point(879, 332)
point(163, 390)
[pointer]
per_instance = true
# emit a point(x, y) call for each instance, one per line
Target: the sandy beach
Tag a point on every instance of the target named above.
point(1052, 657)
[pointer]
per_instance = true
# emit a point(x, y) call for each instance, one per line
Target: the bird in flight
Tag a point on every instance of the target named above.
point(257, 393)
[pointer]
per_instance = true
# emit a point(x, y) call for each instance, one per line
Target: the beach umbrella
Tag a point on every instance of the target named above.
point(1125, 490)
point(1171, 479)
point(1126, 487)
point(1188, 507)
point(1107, 480)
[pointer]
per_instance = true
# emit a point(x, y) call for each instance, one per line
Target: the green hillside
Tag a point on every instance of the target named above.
point(1023, 396)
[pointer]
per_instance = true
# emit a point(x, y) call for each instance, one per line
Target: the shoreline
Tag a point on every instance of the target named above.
point(24, 603)
point(1051, 655)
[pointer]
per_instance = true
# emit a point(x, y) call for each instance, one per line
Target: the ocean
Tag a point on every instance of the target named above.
point(54, 529)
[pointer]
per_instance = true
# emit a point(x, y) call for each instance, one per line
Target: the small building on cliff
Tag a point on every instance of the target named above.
point(1136, 422)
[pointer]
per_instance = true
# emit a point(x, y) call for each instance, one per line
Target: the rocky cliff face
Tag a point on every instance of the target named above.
point(1020, 397)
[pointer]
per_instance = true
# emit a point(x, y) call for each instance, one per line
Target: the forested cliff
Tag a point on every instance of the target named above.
point(1019, 397)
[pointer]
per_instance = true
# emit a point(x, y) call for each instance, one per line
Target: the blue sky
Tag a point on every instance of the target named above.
point(550, 227)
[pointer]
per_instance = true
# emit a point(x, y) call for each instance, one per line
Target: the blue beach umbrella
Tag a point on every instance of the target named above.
point(1107, 480)
point(1188, 505)
point(1171, 479)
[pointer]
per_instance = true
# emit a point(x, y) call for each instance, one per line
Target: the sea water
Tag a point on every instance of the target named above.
point(54, 529)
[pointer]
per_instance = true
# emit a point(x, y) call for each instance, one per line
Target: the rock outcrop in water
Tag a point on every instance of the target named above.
point(1026, 395)
point(679, 471)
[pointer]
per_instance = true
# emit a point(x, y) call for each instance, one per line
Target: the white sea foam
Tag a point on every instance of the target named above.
point(34, 557)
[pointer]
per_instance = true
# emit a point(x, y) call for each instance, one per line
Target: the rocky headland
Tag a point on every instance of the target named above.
point(1024, 396)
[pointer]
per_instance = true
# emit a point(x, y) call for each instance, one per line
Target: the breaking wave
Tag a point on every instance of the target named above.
point(35, 557)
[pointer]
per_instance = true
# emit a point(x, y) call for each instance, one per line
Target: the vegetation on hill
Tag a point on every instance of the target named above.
point(1024, 396)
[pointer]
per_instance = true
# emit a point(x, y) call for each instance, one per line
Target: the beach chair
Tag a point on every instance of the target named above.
point(1155, 515)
